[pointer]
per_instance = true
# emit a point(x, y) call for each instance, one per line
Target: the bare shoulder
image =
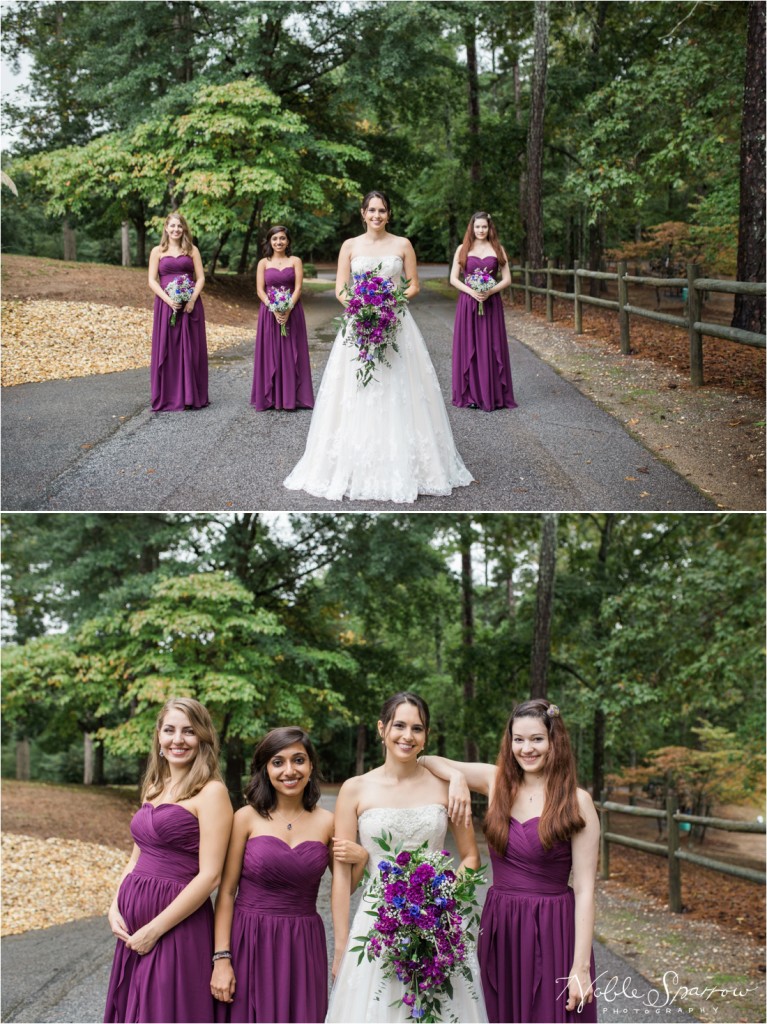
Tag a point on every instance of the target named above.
point(348, 244)
point(243, 819)
point(586, 804)
point(214, 792)
point(323, 816)
point(297, 261)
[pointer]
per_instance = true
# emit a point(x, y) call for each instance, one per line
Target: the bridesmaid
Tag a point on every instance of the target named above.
point(162, 914)
point(282, 377)
point(179, 364)
point(535, 941)
point(481, 367)
point(270, 962)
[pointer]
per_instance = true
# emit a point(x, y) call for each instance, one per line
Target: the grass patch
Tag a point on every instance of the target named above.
point(441, 287)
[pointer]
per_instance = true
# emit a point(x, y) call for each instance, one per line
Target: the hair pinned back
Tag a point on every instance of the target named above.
point(468, 239)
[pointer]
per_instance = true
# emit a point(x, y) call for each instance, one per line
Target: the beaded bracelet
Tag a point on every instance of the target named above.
point(222, 954)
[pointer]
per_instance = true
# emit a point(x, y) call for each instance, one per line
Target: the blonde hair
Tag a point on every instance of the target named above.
point(187, 243)
point(205, 765)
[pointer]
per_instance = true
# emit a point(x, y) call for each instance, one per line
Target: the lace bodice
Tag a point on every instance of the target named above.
point(409, 826)
point(391, 266)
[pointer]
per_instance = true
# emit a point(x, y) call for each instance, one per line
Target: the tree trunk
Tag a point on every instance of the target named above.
point(140, 226)
point(535, 136)
point(23, 767)
point(125, 242)
point(522, 174)
point(598, 766)
point(235, 769)
point(360, 748)
point(467, 634)
point(475, 172)
point(217, 251)
point(255, 217)
point(70, 241)
point(99, 778)
point(87, 759)
point(539, 660)
point(598, 762)
point(749, 309)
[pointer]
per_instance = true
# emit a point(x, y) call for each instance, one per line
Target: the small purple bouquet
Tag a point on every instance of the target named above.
point(371, 318)
point(280, 301)
point(480, 281)
point(180, 289)
point(423, 914)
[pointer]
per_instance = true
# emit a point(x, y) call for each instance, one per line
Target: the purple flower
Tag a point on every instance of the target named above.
point(404, 858)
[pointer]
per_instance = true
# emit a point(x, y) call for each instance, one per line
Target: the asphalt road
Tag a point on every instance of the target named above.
point(92, 443)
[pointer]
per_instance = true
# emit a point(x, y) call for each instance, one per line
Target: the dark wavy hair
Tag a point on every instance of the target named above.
point(259, 792)
point(468, 239)
point(275, 229)
point(384, 199)
point(561, 815)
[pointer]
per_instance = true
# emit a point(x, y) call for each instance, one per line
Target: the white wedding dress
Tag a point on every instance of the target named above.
point(390, 440)
point(360, 992)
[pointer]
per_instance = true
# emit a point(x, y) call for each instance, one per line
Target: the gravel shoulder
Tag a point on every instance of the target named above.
point(713, 437)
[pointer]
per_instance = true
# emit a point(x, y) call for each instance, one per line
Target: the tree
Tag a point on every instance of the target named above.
point(539, 662)
point(749, 310)
point(533, 225)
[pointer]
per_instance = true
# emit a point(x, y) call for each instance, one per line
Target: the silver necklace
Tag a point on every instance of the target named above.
point(290, 824)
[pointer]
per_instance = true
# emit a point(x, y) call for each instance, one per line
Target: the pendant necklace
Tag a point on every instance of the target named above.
point(289, 825)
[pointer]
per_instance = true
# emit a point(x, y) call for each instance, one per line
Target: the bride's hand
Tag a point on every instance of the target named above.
point(336, 965)
point(459, 800)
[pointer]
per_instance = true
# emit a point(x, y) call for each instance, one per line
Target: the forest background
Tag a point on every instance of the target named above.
point(646, 630)
point(586, 127)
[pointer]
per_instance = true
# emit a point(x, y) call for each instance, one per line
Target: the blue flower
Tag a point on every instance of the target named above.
point(399, 902)
point(417, 1012)
point(414, 910)
point(385, 866)
point(437, 881)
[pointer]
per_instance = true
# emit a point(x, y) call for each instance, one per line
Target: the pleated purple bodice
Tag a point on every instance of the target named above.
point(169, 838)
point(279, 880)
point(528, 868)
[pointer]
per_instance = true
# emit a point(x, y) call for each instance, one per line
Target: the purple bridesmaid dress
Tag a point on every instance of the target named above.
point(282, 377)
point(527, 936)
point(279, 955)
point(171, 982)
point(481, 367)
point(179, 366)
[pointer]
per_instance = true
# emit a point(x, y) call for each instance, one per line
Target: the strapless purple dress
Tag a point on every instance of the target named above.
point(179, 364)
point(170, 983)
point(481, 366)
point(278, 946)
point(282, 376)
point(527, 936)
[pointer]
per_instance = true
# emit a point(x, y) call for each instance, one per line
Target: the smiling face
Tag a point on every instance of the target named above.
point(481, 228)
point(375, 214)
point(175, 229)
point(289, 770)
point(530, 744)
point(178, 741)
point(279, 241)
point(405, 735)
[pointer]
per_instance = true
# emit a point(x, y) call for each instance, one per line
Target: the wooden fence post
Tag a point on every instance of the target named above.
point(623, 301)
point(694, 310)
point(549, 286)
point(528, 294)
point(604, 846)
point(674, 864)
point(577, 303)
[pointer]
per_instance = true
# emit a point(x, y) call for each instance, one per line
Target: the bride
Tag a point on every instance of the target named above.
point(403, 798)
point(390, 440)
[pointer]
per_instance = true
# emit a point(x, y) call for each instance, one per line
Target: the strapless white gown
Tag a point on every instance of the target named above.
point(388, 441)
point(360, 992)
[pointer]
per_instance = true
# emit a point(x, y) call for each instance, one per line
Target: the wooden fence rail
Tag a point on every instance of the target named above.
point(670, 848)
point(694, 285)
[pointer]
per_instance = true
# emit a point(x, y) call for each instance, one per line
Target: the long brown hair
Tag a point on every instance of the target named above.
point(468, 239)
point(205, 765)
point(186, 238)
point(561, 814)
point(259, 792)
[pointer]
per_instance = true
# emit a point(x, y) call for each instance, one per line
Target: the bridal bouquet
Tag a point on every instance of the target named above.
point(423, 915)
point(280, 301)
point(180, 289)
point(480, 281)
point(371, 319)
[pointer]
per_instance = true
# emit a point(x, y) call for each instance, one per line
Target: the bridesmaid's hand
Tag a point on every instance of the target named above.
point(144, 940)
point(222, 981)
point(459, 800)
point(579, 990)
point(348, 852)
point(282, 318)
point(175, 306)
point(117, 924)
point(189, 306)
point(480, 296)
